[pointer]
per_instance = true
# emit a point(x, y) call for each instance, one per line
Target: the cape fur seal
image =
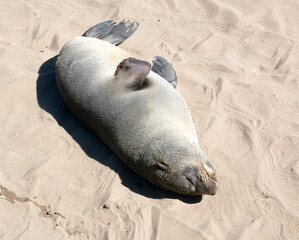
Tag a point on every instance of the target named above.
point(134, 108)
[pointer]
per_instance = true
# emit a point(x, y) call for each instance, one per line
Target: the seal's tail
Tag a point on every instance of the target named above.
point(112, 32)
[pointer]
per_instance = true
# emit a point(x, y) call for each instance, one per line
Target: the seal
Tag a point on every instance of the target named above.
point(134, 108)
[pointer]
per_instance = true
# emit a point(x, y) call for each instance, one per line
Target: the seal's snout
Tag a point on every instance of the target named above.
point(200, 182)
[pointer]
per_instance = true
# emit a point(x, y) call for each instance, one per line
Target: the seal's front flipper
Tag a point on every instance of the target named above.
point(163, 68)
point(112, 32)
point(132, 72)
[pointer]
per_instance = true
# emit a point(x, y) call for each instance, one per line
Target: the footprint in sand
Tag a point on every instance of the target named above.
point(278, 172)
point(170, 5)
point(54, 43)
point(3, 46)
point(228, 20)
point(268, 22)
point(210, 8)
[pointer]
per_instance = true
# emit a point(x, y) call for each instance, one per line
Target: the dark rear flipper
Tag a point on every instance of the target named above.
point(163, 68)
point(112, 32)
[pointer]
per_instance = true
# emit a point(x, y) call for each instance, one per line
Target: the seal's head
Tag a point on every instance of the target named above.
point(184, 168)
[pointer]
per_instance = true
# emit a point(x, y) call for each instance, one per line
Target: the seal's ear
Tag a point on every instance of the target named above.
point(133, 72)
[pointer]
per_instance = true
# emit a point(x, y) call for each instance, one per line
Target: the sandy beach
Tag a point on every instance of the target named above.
point(237, 64)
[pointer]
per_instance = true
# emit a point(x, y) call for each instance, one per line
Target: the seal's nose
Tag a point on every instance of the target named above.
point(213, 190)
point(193, 181)
point(200, 184)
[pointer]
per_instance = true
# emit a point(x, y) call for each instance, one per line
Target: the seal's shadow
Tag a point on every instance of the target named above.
point(49, 99)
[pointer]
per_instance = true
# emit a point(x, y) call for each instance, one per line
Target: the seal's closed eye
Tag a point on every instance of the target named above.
point(133, 72)
point(163, 166)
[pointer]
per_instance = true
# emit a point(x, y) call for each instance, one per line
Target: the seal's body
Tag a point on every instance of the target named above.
point(138, 114)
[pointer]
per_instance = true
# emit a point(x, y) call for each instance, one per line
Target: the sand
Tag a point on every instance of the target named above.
point(238, 69)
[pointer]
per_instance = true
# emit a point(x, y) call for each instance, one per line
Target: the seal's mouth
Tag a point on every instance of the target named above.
point(200, 182)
